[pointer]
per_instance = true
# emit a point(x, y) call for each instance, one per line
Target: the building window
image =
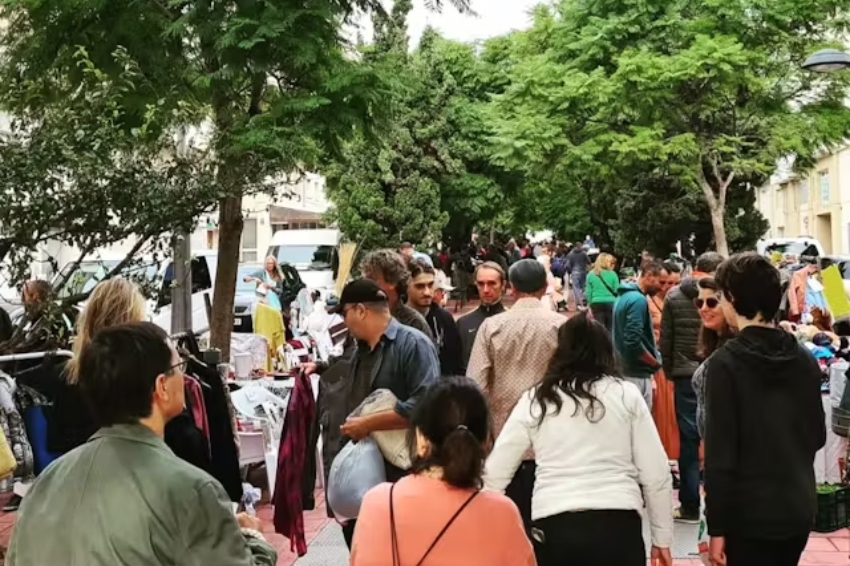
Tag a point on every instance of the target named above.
point(804, 192)
point(824, 187)
point(279, 227)
point(249, 240)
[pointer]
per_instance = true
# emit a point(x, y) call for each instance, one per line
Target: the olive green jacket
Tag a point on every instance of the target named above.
point(124, 499)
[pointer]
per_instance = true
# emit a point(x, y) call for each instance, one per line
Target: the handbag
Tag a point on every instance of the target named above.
point(7, 459)
point(394, 536)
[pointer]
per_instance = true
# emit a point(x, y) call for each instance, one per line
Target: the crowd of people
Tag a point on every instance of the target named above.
point(535, 438)
point(584, 423)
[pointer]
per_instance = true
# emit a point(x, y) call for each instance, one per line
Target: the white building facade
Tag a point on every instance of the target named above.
point(813, 203)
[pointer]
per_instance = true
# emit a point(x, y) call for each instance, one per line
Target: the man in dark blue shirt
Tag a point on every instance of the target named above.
point(389, 356)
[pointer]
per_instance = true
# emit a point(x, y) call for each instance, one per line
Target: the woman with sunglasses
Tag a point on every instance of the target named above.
point(714, 332)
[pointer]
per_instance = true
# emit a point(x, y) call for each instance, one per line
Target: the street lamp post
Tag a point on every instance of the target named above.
point(827, 61)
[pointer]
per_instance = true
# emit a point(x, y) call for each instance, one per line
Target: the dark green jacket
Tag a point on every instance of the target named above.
point(633, 331)
point(124, 499)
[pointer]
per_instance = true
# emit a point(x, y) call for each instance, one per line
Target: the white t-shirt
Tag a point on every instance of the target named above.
point(614, 463)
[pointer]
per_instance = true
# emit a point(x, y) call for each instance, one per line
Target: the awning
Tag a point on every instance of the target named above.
point(284, 215)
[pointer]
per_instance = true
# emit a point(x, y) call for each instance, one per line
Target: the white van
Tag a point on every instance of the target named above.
point(313, 253)
point(802, 246)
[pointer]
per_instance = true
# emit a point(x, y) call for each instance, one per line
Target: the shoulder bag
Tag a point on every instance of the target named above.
point(396, 555)
point(607, 286)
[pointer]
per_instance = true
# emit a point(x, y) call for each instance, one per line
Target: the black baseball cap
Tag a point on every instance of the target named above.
point(359, 292)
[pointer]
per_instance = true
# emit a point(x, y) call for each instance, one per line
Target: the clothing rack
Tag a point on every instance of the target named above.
point(36, 355)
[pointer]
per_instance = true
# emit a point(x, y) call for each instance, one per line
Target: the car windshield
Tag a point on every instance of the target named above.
point(316, 257)
point(249, 288)
point(786, 248)
point(87, 274)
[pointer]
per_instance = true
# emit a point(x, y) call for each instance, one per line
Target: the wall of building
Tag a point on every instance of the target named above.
point(307, 193)
point(813, 203)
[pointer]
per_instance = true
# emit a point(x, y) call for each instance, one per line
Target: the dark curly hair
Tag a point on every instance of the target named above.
point(585, 355)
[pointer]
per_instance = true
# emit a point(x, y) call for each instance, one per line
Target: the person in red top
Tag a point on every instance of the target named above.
point(439, 515)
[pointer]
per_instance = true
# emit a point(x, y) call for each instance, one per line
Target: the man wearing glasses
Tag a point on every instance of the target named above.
point(389, 356)
point(123, 498)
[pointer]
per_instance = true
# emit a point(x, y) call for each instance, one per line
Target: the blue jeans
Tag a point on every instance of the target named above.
point(578, 280)
point(686, 417)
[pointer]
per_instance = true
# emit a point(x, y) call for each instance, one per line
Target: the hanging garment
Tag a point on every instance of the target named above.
point(223, 451)
point(188, 442)
point(33, 407)
point(308, 480)
point(7, 459)
point(288, 511)
point(797, 292)
point(225, 455)
point(195, 401)
point(269, 324)
point(13, 427)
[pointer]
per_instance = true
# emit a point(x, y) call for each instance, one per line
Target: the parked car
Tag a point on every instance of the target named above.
point(88, 273)
point(246, 296)
point(795, 247)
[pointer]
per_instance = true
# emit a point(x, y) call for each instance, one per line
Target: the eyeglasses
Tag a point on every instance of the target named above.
point(179, 366)
point(711, 302)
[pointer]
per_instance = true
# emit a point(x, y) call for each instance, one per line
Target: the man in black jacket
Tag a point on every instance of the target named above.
point(420, 297)
point(764, 424)
point(680, 324)
point(490, 281)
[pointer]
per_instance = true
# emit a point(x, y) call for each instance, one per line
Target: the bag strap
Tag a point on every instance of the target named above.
point(607, 286)
point(394, 536)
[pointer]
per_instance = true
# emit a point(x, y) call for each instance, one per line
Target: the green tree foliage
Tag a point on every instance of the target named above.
point(430, 177)
point(707, 93)
point(275, 77)
point(73, 178)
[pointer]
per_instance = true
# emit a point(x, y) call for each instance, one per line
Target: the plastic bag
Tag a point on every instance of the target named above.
point(393, 443)
point(356, 469)
point(703, 539)
point(250, 497)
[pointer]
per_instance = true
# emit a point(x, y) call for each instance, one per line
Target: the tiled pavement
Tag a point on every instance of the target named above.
point(326, 543)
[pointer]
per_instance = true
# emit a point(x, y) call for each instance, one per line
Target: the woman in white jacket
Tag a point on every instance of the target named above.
point(598, 458)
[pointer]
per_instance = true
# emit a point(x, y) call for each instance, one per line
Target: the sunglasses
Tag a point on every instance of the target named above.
point(711, 302)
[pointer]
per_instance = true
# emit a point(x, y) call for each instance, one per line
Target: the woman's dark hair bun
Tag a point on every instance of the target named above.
point(453, 416)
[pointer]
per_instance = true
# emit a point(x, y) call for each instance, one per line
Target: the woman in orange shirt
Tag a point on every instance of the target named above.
point(438, 515)
point(663, 402)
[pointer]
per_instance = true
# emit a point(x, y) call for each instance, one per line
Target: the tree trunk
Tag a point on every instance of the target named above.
point(719, 229)
point(230, 238)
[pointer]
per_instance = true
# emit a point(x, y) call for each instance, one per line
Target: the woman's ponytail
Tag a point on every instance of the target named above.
point(463, 457)
point(454, 419)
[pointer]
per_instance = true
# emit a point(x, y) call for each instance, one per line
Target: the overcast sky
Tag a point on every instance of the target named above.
point(495, 17)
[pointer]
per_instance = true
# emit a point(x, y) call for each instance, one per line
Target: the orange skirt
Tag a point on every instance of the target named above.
point(664, 414)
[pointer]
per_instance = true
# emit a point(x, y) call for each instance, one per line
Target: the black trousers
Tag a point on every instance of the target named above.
point(590, 538)
point(521, 489)
point(603, 313)
point(746, 552)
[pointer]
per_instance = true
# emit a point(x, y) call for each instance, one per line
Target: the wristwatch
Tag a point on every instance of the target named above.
point(253, 533)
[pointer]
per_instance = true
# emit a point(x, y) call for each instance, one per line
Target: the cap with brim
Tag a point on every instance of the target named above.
point(443, 282)
point(358, 292)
